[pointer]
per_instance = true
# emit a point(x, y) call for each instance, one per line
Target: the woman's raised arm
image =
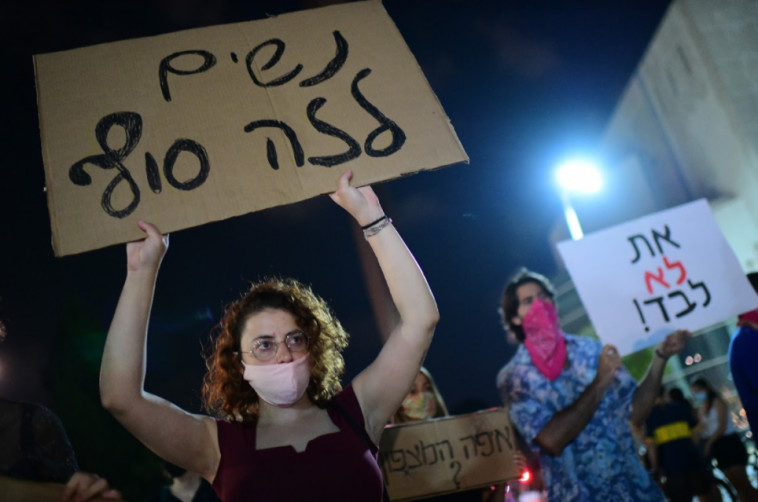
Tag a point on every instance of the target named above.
point(381, 387)
point(181, 438)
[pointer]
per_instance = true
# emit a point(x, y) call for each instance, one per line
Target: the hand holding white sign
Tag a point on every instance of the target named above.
point(607, 364)
point(673, 343)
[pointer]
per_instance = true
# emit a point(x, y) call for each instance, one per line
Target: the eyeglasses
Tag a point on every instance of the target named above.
point(265, 347)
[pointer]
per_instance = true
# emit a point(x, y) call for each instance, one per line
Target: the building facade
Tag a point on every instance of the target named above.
point(685, 128)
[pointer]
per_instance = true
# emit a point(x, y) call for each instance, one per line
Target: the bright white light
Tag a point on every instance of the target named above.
point(572, 220)
point(579, 176)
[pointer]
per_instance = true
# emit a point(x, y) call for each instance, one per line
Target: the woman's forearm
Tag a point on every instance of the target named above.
point(123, 367)
point(408, 287)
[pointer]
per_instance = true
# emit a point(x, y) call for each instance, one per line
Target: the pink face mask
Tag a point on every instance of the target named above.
point(544, 339)
point(279, 384)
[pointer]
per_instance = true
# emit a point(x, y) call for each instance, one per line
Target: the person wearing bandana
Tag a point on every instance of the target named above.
point(282, 427)
point(742, 350)
point(572, 400)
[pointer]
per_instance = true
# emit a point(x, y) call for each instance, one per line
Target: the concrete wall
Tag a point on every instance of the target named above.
point(687, 124)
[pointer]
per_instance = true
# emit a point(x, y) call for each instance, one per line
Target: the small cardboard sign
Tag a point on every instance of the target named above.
point(645, 278)
point(22, 490)
point(446, 455)
point(201, 125)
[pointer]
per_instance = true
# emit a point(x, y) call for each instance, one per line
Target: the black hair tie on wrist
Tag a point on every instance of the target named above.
point(366, 227)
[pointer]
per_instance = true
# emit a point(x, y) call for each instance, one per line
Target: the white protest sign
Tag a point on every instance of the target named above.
point(645, 278)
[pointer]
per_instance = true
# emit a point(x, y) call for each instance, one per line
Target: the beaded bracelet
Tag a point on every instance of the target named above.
point(376, 227)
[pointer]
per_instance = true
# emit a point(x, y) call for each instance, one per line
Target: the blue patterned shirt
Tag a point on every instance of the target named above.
point(601, 463)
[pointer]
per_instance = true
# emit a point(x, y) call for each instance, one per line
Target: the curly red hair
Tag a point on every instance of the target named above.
point(227, 394)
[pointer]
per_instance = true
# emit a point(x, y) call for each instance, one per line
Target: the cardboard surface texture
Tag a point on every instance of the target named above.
point(201, 125)
point(447, 455)
point(20, 490)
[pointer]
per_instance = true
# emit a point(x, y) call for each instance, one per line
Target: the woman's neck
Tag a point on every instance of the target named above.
point(270, 414)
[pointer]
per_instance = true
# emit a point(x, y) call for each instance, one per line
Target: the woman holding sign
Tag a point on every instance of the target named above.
point(424, 402)
point(286, 429)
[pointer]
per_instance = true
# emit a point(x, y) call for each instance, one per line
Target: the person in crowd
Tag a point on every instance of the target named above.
point(674, 457)
point(183, 486)
point(720, 440)
point(742, 350)
point(35, 447)
point(573, 401)
point(424, 402)
point(284, 429)
point(676, 394)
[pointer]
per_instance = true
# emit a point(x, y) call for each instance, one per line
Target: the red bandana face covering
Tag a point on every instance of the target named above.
point(544, 339)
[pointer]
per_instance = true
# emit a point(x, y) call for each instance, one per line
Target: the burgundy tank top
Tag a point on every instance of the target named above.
point(334, 467)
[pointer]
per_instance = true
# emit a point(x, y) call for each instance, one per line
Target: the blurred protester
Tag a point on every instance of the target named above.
point(742, 356)
point(424, 402)
point(676, 394)
point(720, 440)
point(283, 426)
point(34, 446)
point(573, 401)
point(183, 486)
point(674, 457)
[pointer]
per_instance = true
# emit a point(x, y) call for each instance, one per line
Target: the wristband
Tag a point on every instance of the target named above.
point(659, 354)
point(378, 220)
point(375, 228)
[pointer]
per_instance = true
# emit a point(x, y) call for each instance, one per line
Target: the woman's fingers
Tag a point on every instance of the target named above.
point(362, 203)
point(152, 231)
point(83, 486)
point(345, 179)
point(343, 185)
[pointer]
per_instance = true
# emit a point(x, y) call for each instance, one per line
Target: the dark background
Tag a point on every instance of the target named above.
point(524, 84)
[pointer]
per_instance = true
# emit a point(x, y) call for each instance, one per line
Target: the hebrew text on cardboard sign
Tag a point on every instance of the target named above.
point(201, 125)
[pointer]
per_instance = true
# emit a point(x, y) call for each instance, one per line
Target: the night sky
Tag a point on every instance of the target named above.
point(524, 84)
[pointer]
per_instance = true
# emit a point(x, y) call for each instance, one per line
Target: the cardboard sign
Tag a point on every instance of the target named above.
point(201, 125)
point(445, 455)
point(20, 490)
point(643, 279)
